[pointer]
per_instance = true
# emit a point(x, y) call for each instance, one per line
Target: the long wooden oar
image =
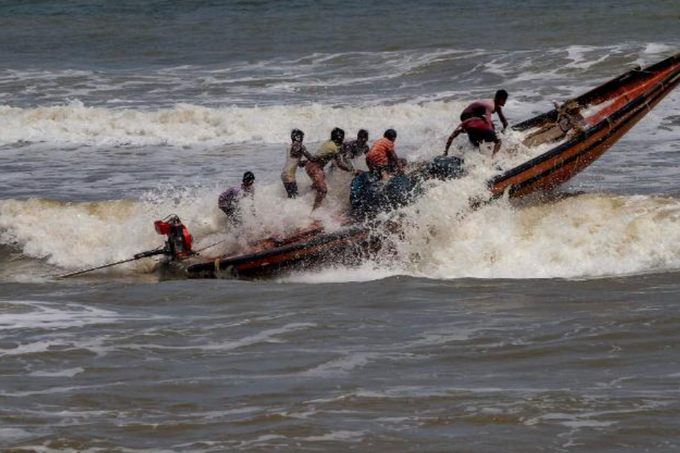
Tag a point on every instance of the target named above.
point(138, 256)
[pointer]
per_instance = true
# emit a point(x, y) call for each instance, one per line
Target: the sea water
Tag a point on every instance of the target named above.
point(549, 325)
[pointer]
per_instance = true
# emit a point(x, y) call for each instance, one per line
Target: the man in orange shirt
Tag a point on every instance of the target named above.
point(382, 156)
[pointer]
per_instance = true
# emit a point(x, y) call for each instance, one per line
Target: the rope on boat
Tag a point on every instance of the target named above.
point(211, 245)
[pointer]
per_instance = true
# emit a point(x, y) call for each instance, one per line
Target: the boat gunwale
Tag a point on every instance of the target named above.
point(601, 91)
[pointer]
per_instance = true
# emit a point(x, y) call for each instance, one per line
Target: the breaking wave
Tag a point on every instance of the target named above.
point(258, 102)
point(195, 125)
point(579, 236)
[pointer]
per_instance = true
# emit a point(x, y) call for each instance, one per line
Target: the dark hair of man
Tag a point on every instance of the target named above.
point(337, 135)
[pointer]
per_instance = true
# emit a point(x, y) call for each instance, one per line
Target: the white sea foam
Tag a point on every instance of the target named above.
point(655, 48)
point(28, 315)
point(415, 113)
point(337, 436)
point(58, 373)
point(10, 435)
point(581, 58)
point(78, 235)
point(266, 336)
point(581, 236)
point(445, 336)
point(348, 362)
point(195, 125)
point(365, 272)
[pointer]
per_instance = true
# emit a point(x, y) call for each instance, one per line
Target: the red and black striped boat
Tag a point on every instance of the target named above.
point(582, 130)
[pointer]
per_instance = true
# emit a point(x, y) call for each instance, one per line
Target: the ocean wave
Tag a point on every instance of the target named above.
point(337, 79)
point(580, 236)
point(191, 125)
point(187, 124)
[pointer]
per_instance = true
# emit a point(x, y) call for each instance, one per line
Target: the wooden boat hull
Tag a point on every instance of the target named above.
point(348, 245)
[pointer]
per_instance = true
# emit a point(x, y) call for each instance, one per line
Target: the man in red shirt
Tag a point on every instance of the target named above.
point(490, 107)
point(382, 156)
point(478, 128)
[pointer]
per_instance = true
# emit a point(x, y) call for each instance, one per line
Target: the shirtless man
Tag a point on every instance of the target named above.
point(490, 106)
point(329, 151)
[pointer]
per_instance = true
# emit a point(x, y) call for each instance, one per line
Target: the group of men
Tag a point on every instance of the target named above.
point(381, 158)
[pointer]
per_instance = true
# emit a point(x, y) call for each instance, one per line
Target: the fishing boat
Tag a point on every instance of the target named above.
point(613, 109)
point(582, 129)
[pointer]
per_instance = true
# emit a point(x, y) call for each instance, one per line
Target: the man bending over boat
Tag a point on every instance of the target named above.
point(491, 106)
point(230, 200)
point(479, 130)
point(294, 155)
point(329, 151)
point(382, 157)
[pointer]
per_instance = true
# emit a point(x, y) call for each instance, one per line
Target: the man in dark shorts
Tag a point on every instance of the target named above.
point(490, 107)
point(478, 129)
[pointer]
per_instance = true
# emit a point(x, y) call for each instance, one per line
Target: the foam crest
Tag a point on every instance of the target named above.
point(76, 235)
point(581, 58)
point(186, 125)
point(348, 362)
point(577, 237)
point(30, 315)
point(73, 235)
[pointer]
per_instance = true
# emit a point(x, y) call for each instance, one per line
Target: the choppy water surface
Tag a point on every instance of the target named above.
point(534, 327)
point(398, 364)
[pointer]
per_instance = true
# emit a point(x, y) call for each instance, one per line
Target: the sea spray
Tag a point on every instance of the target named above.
point(74, 235)
point(581, 236)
